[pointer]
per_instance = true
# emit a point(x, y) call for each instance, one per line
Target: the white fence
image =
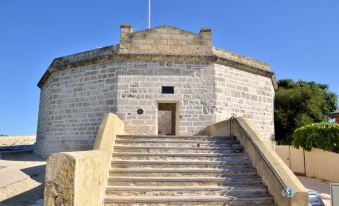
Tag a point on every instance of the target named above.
point(316, 163)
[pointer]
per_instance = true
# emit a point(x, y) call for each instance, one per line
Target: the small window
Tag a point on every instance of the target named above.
point(167, 90)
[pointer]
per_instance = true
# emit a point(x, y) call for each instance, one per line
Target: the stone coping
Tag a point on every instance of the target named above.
point(167, 27)
point(241, 59)
point(111, 53)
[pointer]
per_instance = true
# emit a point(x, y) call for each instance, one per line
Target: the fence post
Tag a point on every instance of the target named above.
point(304, 162)
point(289, 156)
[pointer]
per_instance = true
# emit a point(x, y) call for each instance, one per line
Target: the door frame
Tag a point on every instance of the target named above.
point(177, 122)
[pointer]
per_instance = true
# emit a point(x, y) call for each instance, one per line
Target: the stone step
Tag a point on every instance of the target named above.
point(186, 204)
point(179, 145)
point(172, 137)
point(184, 181)
point(178, 156)
point(221, 154)
point(174, 149)
point(177, 163)
point(183, 172)
point(176, 141)
point(185, 146)
point(185, 190)
point(190, 201)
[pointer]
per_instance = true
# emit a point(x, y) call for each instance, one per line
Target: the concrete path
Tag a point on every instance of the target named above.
point(21, 178)
point(320, 186)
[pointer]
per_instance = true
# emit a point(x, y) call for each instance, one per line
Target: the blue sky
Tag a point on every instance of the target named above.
point(299, 39)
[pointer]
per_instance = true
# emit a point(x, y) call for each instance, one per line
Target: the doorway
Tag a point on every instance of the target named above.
point(166, 118)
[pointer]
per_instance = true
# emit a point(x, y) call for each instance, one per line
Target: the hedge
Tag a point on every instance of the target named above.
point(322, 135)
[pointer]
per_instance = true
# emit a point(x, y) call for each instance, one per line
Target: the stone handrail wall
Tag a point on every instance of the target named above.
point(79, 178)
point(273, 171)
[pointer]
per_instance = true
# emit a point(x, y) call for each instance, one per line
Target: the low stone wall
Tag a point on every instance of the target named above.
point(273, 171)
point(79, 178)
point(6, 141)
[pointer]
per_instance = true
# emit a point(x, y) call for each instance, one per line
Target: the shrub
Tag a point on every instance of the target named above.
point(322, 135)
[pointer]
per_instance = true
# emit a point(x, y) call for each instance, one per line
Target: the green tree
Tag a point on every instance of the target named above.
point(298, 103)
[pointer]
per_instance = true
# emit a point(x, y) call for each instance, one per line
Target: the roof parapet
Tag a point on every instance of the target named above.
point(164, 42)
point(206, 33)
point(125, 29)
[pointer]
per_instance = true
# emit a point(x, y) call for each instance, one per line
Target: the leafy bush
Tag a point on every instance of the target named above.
point(322, 135)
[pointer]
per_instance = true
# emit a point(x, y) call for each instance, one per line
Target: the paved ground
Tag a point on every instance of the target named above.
point(22, 178)
point(39, 202)
point(320, 186)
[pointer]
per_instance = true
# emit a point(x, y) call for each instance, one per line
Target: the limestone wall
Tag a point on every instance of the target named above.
point(139, 86)
point(73, 101)
point(245, 94)
point(72, 104)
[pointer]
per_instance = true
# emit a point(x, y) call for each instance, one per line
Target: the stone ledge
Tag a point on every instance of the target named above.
point(111, 53)
point(241, 59)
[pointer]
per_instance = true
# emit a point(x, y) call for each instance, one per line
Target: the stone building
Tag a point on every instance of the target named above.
point(162, 80)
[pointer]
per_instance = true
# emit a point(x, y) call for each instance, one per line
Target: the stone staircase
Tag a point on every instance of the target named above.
point(183, 170)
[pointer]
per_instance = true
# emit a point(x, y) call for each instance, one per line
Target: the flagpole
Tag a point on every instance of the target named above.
point(149, 14)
